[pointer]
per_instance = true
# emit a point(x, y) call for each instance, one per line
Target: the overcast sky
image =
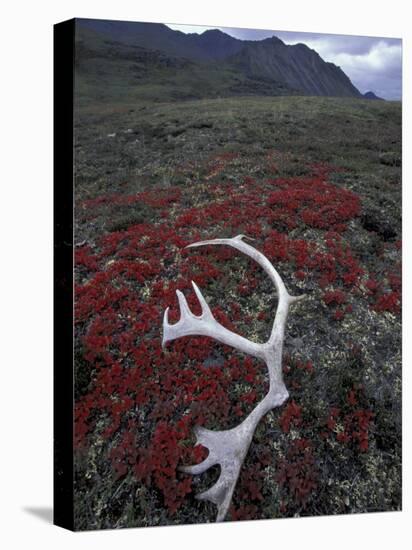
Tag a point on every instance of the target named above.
point(372, 63)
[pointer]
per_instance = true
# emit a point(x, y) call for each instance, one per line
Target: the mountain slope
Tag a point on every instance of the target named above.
point(296, 66)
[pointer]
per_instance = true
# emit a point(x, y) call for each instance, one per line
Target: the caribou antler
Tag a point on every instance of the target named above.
point(228, 448)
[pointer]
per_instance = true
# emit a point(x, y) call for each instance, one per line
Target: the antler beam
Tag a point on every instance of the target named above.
point(228, 448)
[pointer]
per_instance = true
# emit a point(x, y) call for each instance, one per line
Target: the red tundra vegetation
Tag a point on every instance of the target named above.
point(139, 403)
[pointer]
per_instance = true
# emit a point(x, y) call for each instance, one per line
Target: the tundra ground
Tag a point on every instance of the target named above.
point(316, 182)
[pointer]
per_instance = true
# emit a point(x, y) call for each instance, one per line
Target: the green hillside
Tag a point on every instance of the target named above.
point(109, 72)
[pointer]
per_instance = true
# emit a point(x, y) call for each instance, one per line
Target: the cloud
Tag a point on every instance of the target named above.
point(372, 63)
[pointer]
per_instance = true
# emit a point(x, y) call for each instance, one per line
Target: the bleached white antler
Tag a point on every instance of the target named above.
point(228, 448)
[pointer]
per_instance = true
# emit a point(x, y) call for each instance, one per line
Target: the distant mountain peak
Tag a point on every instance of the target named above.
point(272, 40)
point(371, 95)
point(215, 32)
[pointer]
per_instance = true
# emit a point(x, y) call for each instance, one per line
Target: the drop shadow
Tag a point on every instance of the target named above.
point(41, 512)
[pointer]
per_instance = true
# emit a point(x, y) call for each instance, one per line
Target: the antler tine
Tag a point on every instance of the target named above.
point(195, 469)
point(205, 325)
point(185, 311)
point(204, 305)
point(221, 495)
point(171, 332)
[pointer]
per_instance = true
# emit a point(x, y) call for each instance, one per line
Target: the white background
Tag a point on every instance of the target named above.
point(26, 272)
